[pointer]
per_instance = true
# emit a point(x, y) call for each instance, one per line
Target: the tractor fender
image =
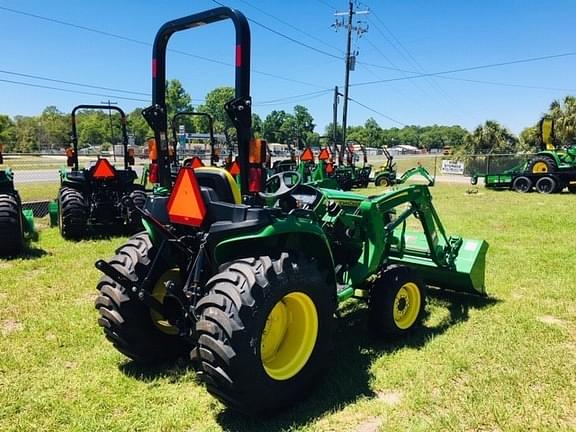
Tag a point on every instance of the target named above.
point(290, 234)
point(551, 154)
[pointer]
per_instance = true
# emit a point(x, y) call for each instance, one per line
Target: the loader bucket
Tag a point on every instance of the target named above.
point(28, 225)
point(469, 271)
point(53, 212)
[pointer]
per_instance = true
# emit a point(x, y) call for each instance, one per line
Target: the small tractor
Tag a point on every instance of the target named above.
point(386, 175)
point(549, 171)
point(16, 225)
point(97, 196)
point(247, 281)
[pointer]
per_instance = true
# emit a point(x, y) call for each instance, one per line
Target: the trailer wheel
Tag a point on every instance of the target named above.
point(264, 332)
point(542, 164)
point(135, 330)
point(546, 185)
point(397, 302)
point(73, 213)
point(381, 181)
point(522, 184)
point(11, 228)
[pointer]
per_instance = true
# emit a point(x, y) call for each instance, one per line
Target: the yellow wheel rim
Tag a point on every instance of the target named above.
point(540, 167)
point(407, 305)
point(159, 292)
point(289, 336)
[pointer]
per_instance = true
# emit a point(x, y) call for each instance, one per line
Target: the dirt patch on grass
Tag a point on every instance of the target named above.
point(370, 425)
point(552, 320)
point(389, 397)
point(10, 326)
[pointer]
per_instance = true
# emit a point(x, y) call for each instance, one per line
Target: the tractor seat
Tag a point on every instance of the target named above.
point(221, 184)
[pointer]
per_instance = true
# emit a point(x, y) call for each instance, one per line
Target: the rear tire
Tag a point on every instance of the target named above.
point(522, 184)
point(73, 213)
point(135, 330)
point(397, 302)
point(546, 185)
point(264, 332)
point(542, 164)
point(11, 231)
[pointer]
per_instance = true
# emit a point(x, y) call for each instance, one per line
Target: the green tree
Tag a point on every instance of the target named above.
point(55, 128)
point(27, 131)
point(138, 126)
point(491, 137)
point(272, 127)
point(7, 133)
point(214, 105)
point(256, 125)
point(177, 99)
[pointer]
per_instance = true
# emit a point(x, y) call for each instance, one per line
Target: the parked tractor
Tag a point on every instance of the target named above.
point(16, 225)
point(101, 195)
point(386, 175)
point(550, 171)
point(195, 161)
point(247, 281)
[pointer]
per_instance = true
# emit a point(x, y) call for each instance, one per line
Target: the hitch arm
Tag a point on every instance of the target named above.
point(130, 286)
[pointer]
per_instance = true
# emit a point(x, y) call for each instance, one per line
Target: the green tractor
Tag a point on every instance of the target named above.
point(16, 225)
point(553, 157)
point(247, 281)
point(386, 175)
point(97, 196)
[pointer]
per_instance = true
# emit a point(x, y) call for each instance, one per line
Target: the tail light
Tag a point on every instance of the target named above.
point(153, 172)
point(70, 156)
point(152, 150)
point(254, 180)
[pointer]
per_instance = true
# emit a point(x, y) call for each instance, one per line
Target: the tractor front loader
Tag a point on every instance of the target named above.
point(98, 196)
point(247, 281)
point(16, 225)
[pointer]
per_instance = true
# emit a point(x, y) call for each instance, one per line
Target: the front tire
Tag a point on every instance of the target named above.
point(382, 181)
point(138, 197)
point(264, 332)
point(397, 302)
point(135, 330)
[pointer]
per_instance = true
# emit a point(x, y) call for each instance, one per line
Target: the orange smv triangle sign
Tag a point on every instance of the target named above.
point(307, 155)
point(324, 154)
point(103, 170)
point(186, 205)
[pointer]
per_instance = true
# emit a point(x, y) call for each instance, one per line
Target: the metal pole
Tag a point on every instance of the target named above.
point(335, 120)
point(109, 103)
point(346, 84)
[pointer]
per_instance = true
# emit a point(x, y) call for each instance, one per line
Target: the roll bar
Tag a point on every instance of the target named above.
point(74, 135)
point(239, 109)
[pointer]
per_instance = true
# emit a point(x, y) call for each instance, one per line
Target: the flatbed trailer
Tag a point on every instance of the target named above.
point(526, 181)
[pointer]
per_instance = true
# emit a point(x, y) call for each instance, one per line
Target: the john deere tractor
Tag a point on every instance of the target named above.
point(97, 196)
point(16, 225)
point(247, 281)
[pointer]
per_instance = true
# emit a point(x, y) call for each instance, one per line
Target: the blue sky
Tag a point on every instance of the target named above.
point(423, 36)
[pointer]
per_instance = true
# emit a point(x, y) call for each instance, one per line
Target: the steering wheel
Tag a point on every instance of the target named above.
point(282, 183)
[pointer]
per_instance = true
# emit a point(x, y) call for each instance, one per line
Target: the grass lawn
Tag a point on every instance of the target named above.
point(503, 363)
point(38, 191)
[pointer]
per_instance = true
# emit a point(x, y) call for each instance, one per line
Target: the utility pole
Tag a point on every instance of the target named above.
point(350, 60)
point(109, 103)
point(335, 120)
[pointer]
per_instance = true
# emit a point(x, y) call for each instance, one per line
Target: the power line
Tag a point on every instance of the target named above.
point(295, 98)
point(305, 33)
point(291, 39)
point(471, 68)
point(377, 112)
point(71, 91)
point(328, 5)
point(143, 43)
point(502, 84)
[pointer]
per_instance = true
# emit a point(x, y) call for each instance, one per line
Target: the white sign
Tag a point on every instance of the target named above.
point(452, 167)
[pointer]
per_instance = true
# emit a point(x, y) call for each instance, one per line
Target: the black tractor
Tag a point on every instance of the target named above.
point(99, 196)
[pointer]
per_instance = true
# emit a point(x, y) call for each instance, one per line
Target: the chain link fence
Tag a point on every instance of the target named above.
point(37, 179)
